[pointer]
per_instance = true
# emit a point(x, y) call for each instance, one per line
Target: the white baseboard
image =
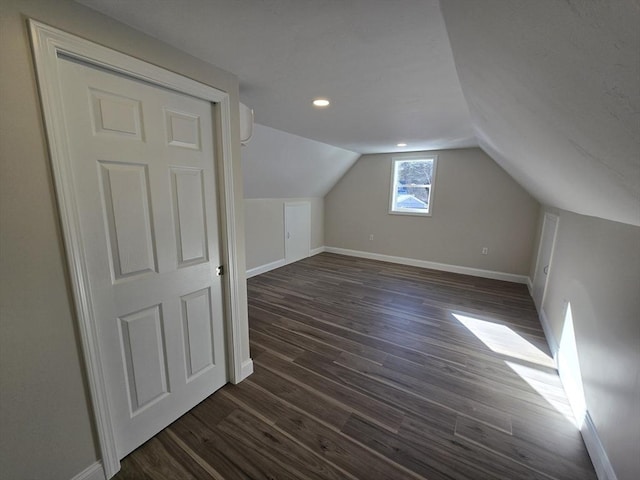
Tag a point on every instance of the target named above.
point(548, 333)
point(245, 370)
point(278, 263)
point(265, 268)
point(530, 286)
point(316, 251)
point(599, 457)
point(92, 472)
point(476, 272)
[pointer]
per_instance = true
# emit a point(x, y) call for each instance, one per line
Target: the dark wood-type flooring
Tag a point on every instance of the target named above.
point(362, 371)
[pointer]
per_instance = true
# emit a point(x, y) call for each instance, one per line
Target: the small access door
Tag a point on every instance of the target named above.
point(297, 231)
point(545, 253)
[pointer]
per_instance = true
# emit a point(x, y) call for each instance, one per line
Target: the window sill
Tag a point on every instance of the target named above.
point(409, 213)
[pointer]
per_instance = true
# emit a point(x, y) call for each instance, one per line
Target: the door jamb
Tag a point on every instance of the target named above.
point(47, 43)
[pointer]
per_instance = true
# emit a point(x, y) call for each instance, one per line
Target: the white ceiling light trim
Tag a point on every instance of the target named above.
point(321, 102)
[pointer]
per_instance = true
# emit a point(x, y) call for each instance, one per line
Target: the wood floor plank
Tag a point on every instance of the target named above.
point(264, 440)
point(321, 437)
point(367, 338)
point(295, 338)
point(437, 456)
point(376, 329)
point(533, 456)
point(341, 450)
point(230, 459)
point(464, 384)
point(461, 455)
point(363, 371)
point(315, 404)
point(268, 342)
point(354, 400)
point(395, 389)
point(337, 341)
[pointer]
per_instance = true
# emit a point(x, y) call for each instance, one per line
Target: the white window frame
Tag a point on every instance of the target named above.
point(393, 190)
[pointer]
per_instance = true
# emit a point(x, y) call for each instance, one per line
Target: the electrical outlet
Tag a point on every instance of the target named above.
point(485, 251)
point(371, 236)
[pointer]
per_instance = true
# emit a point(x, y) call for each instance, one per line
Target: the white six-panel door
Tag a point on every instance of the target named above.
point(145, 184)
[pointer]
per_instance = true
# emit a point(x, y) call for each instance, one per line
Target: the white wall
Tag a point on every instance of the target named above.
point(45, 420)
point(596, 267)
point(475, 204)
point(279, 167)
point(264, 227)
point(552, 89)
point(278, 164)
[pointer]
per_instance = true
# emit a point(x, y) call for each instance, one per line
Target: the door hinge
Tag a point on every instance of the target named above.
point(220, 270)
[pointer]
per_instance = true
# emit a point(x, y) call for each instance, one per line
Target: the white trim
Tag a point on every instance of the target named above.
point(265, 268)
point(246, 370)
point(553, 247)
point(599, 458)
point(548, 333)
point(92, 472)
point(48, 43)
point(530, 286)
point(476, 272)
point(392, 186)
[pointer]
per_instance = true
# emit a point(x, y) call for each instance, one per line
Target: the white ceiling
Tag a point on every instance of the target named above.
point(552, 87)
point(554, 94)
point(276, 164)
point(385, 65)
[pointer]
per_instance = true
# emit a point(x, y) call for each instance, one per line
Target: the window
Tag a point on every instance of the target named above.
point(412, 185)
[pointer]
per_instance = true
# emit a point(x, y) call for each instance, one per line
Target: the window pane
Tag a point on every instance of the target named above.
point(412, 185)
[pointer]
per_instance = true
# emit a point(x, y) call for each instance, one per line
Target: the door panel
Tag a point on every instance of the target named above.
point(188, 208)
point(126, 206)
point(143, 346)
point(297, 226)
point(144, 177)
point(197, 320)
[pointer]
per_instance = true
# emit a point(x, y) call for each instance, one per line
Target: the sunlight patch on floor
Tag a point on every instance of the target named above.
point(554, 395)
point(501, 339)
point(504, 341)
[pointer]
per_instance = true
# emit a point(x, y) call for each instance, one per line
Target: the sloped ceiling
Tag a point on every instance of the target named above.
point(277, 164)
point(386, 65)
point(553, 88)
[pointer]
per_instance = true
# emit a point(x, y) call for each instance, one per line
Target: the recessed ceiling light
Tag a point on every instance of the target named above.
point(321, 102)
point(401, 145)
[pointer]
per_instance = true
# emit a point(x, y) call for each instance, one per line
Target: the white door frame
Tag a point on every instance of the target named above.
point(538, 271)
point(545, 225)
point(48, 43)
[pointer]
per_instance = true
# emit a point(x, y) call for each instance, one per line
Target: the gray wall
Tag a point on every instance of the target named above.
point(264, 227)
point(596, 267)
point(475, 204)
point(45, 420)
